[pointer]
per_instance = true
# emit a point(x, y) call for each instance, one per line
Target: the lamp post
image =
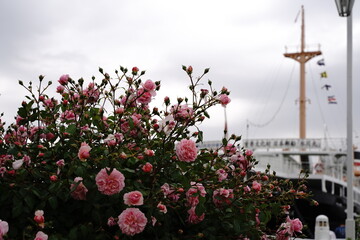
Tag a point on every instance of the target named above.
point(344, 8)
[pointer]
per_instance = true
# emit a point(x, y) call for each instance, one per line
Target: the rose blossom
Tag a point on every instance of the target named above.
point(248, 152)
point(296, 224)
point(144, 97)
point(39, 218)
point(84, 151)
point(110, 184)
point(4, 228)
point(222, 174)
point(64, 79)
point(134, 198)
point(222, 195)
point(132, 221)
point(169, 192)
point(147, 167)
point(111, 222)
point(162, 208)
point(78, 192)
point(149, 152)
point(60, 163)
point(17, 164)
point(193, 217)
point(182, 112)
point(41, 236)
point(224, 99)
point(192, 195)
point(186, 150)
point(149, 85)
point(256, 186)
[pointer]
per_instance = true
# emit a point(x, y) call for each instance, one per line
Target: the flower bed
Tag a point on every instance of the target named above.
point(98, 163)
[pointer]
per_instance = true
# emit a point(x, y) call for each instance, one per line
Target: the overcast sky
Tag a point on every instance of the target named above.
point(242, 42)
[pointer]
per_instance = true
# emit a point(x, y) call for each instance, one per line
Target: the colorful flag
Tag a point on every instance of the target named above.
point(323, 75)
point(332, 100)
point(326, 86)
point(321, 62)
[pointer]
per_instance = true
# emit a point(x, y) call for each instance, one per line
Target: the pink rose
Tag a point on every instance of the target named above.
point(111, 222)
point(224, 99)
point(134, 198)
point(4, 228)
point(53, 178)
point(149, 85)
point(248, 152)
point(149, 152)
point(169, 192)
point(186, 150)
point(193, 217)
point(284, 232)
point(60, 89)
point(144, 97)
point(84, 151)
point(162, 208)
point(41, 236)
point(110, 184)
point(296, 224)
point(64, 79)
point(192, 195)
point(182, 112)
point(222, 196)
point(132, 221)
point(222, 174)
point(39, 218)
point(78, 192)
point(60, 163)
point(147, 167)
point(256, 186)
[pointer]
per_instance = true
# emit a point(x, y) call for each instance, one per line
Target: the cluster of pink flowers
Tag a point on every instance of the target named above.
point(222, 196)
point(192, 197)
point(170, 192)
point(182, 112)
point(95, 148)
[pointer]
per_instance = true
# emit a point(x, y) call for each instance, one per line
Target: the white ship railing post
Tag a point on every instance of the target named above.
point(344, 8)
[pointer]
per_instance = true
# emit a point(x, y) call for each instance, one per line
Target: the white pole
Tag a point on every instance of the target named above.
point(350, 223)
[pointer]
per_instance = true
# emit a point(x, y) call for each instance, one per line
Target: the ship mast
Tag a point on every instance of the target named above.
point(302, 57)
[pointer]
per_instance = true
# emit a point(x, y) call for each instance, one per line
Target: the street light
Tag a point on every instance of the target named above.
point(344, 8)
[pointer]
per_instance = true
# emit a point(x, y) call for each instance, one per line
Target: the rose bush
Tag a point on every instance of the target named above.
point(98, 162)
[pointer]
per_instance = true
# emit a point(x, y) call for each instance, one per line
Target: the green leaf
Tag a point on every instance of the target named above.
point(71, 129)
point(17, 210)
point(53, 202)
point(73, 233)
point(200, 136)
point(29, 200)
point(206, 114)
point(237, 224)
point(22, 112)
